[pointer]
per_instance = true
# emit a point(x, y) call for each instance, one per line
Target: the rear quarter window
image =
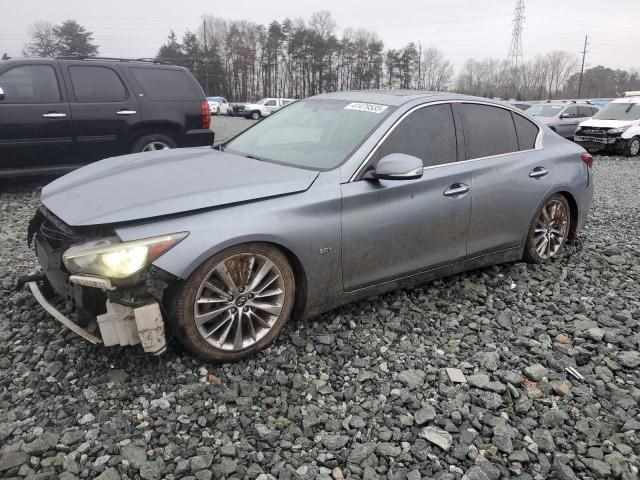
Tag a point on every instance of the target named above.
point(527, 132)
point(166, 84)
point(488, 130)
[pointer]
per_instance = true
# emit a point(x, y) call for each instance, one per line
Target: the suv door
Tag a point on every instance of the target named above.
point(568, 121)
point(392, 229)
point(35, 120)
point(510, 176)
point(103, 108)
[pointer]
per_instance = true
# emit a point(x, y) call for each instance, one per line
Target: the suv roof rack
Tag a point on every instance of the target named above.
point(78, 56)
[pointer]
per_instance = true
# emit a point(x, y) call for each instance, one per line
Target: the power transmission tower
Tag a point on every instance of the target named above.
point(584, 54)
point(516, 57)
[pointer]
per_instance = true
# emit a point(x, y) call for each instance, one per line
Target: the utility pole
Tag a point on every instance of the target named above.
point(584, 54)
point(206, 57)
point(420, 85)
point(515, 57)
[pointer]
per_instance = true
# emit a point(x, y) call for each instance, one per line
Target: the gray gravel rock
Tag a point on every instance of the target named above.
point(354, 389)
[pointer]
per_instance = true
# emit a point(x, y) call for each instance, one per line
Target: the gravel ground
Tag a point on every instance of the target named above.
point(360, 392)
point(226, 127)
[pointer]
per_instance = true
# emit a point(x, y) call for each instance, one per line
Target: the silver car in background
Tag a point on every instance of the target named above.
point(562, 116)
point(337, 197)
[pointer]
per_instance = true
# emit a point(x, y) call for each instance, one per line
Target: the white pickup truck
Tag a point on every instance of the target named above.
point(264, 107)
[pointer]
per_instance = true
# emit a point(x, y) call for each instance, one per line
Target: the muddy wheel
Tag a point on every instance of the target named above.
point(235, 303)
point(549, 231)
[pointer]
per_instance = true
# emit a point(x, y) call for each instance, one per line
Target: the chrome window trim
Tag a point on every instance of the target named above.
point(538, 144)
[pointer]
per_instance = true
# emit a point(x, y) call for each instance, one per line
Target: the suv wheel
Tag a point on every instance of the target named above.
point(255, 115)
point(633, 147)
point(235, 303)
point(152, 142)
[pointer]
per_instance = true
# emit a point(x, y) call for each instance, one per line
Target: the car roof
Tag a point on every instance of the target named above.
point(399, 97)
point(626, 100)
point(79, 58)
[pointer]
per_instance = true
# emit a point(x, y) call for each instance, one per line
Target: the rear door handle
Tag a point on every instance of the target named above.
point(538, 172)
point(456, 189)
point(126, 112)
point(54, 115)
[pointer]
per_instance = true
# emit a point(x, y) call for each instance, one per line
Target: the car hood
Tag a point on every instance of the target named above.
point(152, 184)
point(592, 122)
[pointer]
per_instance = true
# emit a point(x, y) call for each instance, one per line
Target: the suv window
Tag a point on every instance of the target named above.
point(270, 103)
point(428, 133)
point(527, 132)
point(165, 84)
point(30, 84)
point(488, 130)
point(96, 84)
point(571, 112)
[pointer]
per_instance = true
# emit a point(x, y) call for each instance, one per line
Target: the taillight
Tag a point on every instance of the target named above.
point(587, 158)
point(206, 114)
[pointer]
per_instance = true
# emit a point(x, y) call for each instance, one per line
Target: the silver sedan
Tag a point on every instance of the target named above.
point(334, 198)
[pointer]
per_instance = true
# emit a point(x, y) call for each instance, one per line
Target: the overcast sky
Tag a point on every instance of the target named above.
point(460, 28)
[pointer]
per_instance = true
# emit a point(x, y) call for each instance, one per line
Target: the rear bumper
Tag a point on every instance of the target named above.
point(200, 137)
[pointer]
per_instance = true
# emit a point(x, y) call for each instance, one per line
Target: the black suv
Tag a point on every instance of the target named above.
point(60, 113)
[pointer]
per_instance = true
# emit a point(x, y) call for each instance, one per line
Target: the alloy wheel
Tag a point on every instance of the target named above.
point(552, 228)
point(155, 145)
point(239, 301)
point(634, 148)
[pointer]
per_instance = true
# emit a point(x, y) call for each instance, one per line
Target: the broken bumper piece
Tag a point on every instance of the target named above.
point(120, 325)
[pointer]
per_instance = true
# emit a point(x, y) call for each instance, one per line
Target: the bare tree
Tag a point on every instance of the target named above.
point(43, 41)
point(322, 23)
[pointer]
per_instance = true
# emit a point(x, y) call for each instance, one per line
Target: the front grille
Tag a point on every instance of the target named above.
point(594, 131)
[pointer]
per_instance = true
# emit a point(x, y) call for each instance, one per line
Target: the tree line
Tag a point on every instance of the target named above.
point(242, 60)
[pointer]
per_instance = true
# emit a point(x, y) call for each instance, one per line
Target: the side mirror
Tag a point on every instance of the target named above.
point(1, 94)
point(397, 166)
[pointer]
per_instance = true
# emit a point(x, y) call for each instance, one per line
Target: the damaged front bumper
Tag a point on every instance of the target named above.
point(125, 314)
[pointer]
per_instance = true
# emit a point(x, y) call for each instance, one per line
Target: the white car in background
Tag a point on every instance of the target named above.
point(614, 128)
point(264, 107)
point(218, 106)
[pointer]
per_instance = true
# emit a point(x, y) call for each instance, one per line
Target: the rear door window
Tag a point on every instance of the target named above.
point(428, 133)
point(30, 84)
point(94, 84)
point(165, 84)
point(488, 130)
point(527, 132)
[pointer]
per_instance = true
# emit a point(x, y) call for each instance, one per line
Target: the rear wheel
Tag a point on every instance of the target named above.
point(632, 148)
point(549, 231)
point(235, 303)
point(152, 142)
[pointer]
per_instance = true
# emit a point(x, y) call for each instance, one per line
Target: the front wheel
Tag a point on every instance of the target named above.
point(235, 303)
point(255, 116)
point(632, 148)
point(549, 231)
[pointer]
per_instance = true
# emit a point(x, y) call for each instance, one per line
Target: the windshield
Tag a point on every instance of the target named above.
point(619, 111)
point(262, 101)
point(317, 134)
point(544, 110)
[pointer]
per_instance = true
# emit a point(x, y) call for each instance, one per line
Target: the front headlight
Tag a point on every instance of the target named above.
point(617, 131)
point(111, 258)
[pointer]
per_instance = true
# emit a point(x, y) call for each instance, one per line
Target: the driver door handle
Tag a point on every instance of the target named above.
point(538, 172)
point(126, 112)
point(456, 189)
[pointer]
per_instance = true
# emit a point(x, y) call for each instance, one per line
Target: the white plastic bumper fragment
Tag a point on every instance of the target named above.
point(130, 326)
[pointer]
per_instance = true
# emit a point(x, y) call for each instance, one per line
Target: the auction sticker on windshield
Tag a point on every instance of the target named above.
point(367, 107)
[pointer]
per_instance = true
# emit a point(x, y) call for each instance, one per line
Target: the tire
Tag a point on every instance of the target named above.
point(552, 221)
point(241, 265)
point(632, 148)
point(153, 141)
point(255, 115)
